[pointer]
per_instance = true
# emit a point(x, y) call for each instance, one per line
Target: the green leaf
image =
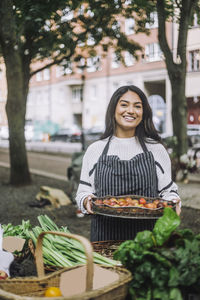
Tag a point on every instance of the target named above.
point(175, 294)
point(166, 225)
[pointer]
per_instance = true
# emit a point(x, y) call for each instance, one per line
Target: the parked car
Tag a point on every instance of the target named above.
point(71, 134)
point(93, 134)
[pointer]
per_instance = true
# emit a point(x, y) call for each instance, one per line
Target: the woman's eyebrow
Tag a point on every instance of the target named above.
point(123, 100)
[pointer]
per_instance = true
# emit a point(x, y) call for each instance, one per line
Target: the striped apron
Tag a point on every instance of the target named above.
point(116, 177)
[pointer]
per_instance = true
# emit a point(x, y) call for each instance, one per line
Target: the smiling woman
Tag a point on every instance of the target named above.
point(129, 159)
point(128, 114)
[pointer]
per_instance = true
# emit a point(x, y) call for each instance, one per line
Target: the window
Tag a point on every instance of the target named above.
point(195, 21)
point(81, 10)
point(58, 71)
point(115, 63)
point(67, 15)
point(153, 21)
point(129, 26)
point(194, 60)
point(90, 13)
point(153, 52)
point(76, 94)
point(128, 59)
point(67, 69)
point(39, 76)
point(46, 74)
point(81, 65)
point(93, 64)
point(90, 40)
point(158, 106)
point(127, 2)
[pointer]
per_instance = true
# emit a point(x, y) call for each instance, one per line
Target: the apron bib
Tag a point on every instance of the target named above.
point(116, 177)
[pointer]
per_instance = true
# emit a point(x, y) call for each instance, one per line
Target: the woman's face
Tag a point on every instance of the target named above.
point(128, 114)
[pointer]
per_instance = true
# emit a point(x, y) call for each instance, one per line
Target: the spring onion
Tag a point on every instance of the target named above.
point(57, 250)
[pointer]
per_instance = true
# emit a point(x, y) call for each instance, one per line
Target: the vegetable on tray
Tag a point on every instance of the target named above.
point(131, 206)
point(165, 262)
point(58, 251)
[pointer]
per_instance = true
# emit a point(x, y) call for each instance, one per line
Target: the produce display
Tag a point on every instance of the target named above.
point(131, 206)
point(58, 251)
point(165, 262)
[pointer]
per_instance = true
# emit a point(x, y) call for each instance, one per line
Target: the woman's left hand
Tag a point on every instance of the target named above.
point(178, 206)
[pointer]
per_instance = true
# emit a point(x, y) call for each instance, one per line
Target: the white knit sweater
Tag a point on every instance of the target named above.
point(125, 149)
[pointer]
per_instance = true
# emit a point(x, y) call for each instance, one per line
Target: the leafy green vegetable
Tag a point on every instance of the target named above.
point(163, 262)
point(166, 225)
point(57, 250)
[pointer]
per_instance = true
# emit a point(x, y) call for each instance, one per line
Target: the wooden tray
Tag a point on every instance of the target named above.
point(132, 211)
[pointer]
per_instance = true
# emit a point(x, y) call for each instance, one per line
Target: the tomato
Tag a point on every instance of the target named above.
point(113, 200)
point(135, 202)
point(106, 201)
point(156, 201)
point(53, 292)
point(150, 205)
point(142, 201)
point(122, 203)
point(128, 199)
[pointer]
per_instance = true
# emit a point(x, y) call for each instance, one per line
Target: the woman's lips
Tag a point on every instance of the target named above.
point(129, 118)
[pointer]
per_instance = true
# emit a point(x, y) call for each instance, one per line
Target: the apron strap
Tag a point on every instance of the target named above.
point(105, 150)
point(143, 145)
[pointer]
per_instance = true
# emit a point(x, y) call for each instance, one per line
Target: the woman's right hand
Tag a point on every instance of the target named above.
point(87, 203)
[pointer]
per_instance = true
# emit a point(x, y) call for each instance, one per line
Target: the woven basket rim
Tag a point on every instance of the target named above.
point(125, 277)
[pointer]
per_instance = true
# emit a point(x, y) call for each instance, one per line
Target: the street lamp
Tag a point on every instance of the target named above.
point(82, 104)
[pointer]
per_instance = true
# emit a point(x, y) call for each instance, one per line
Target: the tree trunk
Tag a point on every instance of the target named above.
point(16, 99)
point(179, 111)
point(16, 108)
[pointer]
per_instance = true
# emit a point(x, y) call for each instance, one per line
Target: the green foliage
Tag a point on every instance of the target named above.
point(164, 262)
point(49, 29)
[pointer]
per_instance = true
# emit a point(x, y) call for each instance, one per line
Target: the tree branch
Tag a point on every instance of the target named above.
point(54, 62)
point(162, 31)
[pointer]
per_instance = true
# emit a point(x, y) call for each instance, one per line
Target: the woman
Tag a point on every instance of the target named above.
point(129, 159)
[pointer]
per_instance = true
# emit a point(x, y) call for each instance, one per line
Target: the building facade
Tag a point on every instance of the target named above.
point(80, 96)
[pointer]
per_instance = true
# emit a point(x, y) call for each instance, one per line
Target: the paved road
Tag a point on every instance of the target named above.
point(50, 165)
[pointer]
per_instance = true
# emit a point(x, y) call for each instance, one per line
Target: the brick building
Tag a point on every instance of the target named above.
point(72, 96)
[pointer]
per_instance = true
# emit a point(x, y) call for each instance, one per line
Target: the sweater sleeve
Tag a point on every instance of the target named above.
point(86, 184)
point(167, 189)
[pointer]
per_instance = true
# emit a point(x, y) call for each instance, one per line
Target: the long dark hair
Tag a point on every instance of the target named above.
point(145, 129)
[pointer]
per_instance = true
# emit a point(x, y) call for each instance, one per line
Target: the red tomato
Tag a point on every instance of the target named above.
point(142, 201)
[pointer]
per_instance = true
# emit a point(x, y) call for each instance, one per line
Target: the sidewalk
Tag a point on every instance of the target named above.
point(51, 147)
point(190, 192)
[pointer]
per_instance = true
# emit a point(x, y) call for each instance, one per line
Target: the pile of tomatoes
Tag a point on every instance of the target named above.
point(132, 202)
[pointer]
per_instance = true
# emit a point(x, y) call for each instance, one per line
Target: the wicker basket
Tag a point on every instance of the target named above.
point(26, 287)
point(106, 248)
point(130, 212)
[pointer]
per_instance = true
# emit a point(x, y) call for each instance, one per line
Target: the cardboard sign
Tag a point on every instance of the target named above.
point(13, 243)
point(73, 282)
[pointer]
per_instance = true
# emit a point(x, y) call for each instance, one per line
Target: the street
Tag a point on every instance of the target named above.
point(51, 165)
